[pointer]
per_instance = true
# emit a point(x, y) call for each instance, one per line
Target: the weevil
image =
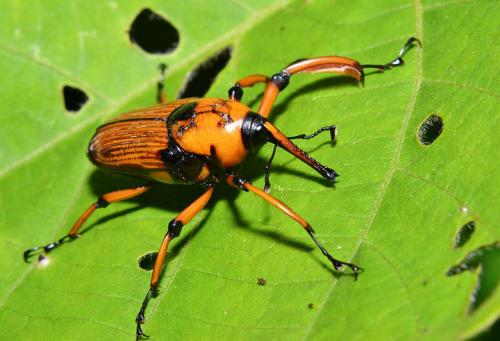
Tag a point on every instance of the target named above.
point(201, 141)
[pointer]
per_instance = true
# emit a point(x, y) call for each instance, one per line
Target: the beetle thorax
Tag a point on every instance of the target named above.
point(213, 130)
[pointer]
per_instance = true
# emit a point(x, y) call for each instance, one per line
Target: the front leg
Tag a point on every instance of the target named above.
point(329, 64)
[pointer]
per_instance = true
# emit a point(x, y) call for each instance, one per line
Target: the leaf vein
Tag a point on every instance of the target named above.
point(393, 166)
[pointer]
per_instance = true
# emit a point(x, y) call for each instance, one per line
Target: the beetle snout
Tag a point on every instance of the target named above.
point(330, 174)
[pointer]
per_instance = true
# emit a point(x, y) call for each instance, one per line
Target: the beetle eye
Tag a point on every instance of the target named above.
point(253, 131)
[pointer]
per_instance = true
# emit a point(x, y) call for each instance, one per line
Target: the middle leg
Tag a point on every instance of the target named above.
point(247, 186)
point(174, 229)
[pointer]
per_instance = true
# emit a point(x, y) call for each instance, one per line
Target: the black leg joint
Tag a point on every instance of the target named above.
point(49, 247)
point(101, 202)
point(174, 228)
point(240, 182)
point(281, 79)
point(235, 93)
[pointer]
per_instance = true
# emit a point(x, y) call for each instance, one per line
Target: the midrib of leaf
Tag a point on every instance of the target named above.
point(146, 86)
point(392, 168)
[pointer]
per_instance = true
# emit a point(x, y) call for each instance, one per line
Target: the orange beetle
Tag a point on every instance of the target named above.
point(200, 140)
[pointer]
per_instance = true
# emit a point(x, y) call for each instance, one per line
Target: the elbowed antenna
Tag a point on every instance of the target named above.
point(285, 143)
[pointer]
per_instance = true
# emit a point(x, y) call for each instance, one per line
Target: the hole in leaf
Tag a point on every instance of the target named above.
point(464, 234)
point(488, 259)
point(147, 261)
point(261, 281)
point(310, 306)
point(199, 80)
point(153, 33)
point(74, 98)
point(430, 129)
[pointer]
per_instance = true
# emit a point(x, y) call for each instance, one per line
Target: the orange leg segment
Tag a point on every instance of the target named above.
point(236, 93)
point(247, 186)
point(251, 80)
point(103, 201)
point(174, 229)
point(329, 64)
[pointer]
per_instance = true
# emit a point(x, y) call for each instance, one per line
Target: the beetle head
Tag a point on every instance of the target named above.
point(253, 131)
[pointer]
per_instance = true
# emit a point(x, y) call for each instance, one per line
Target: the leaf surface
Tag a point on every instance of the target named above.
point(395, 211)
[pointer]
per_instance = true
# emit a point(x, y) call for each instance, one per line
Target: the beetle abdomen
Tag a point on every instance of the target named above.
point(129, 145)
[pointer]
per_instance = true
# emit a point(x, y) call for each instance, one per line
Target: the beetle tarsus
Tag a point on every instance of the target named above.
point(139, 334)
point(398, 61)
point(46, 248)
point(27, 254)
point(337, 264)
point(139, 319)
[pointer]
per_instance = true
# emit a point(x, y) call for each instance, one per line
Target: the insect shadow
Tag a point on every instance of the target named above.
point(174, 198)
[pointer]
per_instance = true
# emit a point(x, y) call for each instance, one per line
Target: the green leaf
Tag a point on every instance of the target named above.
point(395, 211)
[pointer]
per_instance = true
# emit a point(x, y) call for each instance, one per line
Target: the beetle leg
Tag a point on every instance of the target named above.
point(330, 64)
point(160, 93)
point(399, 59)
point(103, 201)
point(174, 229)
point(236, 92)
point(337, 264)
point(279, 81)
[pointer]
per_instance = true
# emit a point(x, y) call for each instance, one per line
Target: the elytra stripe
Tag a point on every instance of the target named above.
point(131, 145)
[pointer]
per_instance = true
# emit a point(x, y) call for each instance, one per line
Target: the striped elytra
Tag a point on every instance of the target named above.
point(129, 144)
point(133, 142)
